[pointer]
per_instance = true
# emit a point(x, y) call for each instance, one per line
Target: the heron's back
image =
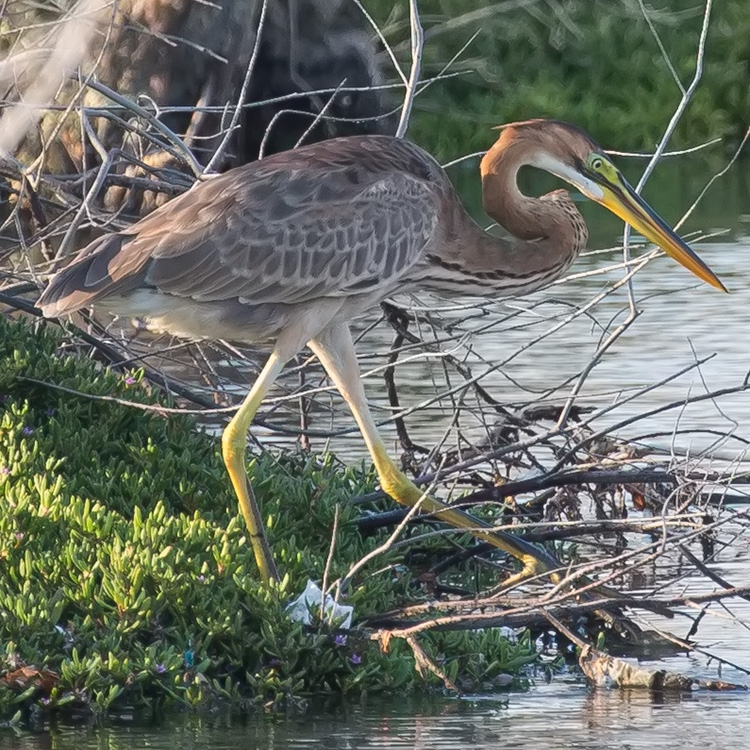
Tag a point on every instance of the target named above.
point(340, 218)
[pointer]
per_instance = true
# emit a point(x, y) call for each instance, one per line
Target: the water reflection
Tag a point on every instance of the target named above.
point(548, 717)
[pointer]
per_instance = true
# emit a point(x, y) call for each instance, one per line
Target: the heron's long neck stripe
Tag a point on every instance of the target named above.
point(500, 274)
point(503, 286)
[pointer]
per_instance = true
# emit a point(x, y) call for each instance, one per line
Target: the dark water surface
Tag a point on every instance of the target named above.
point(547, 718)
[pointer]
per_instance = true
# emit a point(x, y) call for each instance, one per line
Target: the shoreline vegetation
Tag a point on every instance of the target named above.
point(126, 580)
point(126, 574)
point(595, 63)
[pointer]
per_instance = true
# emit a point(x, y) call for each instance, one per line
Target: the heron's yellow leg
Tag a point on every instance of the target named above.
point(335, 349)
point(233, 446)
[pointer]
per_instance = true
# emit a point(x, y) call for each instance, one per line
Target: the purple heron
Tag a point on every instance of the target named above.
point(289, 249)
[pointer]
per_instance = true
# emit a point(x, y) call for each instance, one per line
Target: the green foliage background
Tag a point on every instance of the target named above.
point(592, 62)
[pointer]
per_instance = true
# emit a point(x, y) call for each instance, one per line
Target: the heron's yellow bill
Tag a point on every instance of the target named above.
point(622, 200)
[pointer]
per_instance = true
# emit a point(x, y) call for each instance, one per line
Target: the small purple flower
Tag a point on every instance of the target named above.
point(51, 411)
point(46, 701)
point(19, 535)
point(160, 669)
point(274, 662)
point(4, 470)
point(340, 640)
point(130, 380)
point(28, 430)
point(355, 659)
point(201, 578)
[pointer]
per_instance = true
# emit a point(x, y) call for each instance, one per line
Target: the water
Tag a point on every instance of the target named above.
point(680, 321)
point(547, 718)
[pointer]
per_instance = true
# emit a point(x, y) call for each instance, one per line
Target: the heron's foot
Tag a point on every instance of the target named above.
point(398, 486)
point(535, 561)
point(533, 567)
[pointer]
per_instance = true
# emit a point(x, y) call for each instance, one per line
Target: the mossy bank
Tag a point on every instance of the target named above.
point(126, 578)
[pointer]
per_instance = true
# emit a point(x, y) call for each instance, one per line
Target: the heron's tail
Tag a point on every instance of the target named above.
point(99, 270)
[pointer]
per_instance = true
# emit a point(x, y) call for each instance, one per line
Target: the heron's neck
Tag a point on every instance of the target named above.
point(548, 233)
point(553, 217)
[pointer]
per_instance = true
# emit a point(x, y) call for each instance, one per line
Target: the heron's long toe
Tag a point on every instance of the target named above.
point(534, 560)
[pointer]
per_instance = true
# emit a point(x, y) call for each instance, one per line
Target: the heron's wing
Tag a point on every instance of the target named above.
point(263, 234)
point(301, 239)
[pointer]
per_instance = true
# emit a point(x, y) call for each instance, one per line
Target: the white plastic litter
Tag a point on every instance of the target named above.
point(309, 601)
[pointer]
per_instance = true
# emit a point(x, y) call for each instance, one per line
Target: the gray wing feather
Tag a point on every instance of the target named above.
point(286, 230)
point(292, 251)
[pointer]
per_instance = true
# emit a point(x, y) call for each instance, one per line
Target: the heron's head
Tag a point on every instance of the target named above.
point(569, 153)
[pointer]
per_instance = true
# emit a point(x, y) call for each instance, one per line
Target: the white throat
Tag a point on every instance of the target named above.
point(554, 166)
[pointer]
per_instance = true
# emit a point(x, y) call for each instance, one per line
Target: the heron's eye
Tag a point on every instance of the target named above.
point(597, 163)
